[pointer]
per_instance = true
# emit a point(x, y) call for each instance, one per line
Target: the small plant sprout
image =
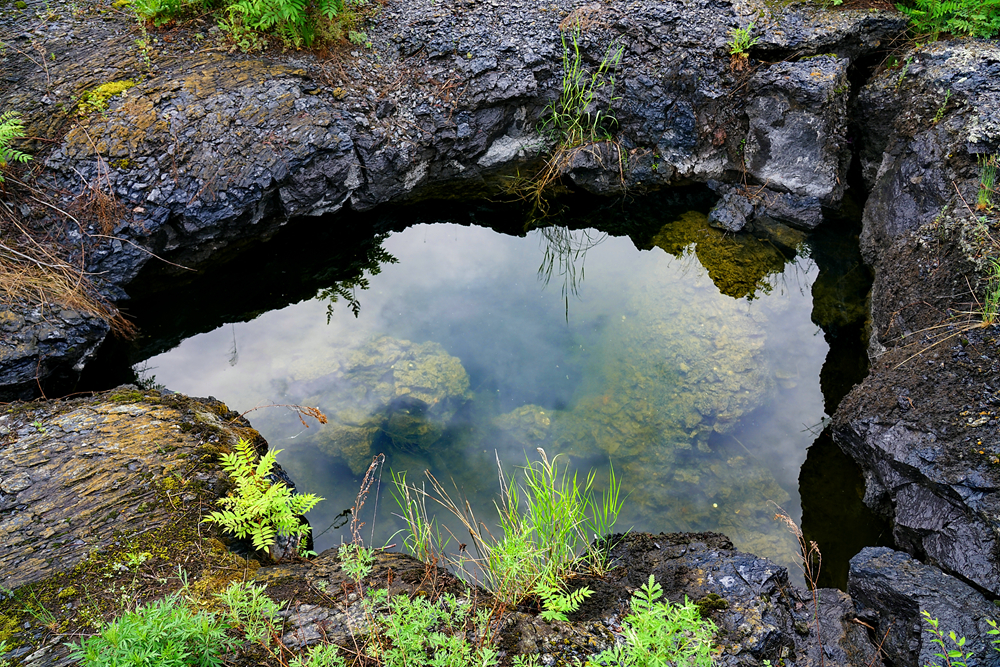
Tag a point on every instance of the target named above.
point(987, 181)
point(941, 109)
point(259, 508)
point(739, 44)
point(991, 303)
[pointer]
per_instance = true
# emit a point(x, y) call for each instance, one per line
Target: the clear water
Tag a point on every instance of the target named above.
point(464, 352)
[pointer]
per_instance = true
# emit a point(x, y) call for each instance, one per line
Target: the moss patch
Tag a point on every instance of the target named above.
point(97, 99)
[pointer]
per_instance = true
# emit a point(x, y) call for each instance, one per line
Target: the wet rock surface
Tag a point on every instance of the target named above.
point(891, 589)
point(386, 126)
point(923, 424)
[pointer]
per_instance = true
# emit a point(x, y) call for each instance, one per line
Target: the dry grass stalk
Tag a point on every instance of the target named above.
point(34, 269)
point(366, 485)
point(812, 563)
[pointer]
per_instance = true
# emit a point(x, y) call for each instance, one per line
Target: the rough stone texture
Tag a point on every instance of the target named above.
point(765, 618)
point(448, 98)
point(923, 424)
point(78, 474)
point(891, 589)
point(790, 147)
point(51, 344)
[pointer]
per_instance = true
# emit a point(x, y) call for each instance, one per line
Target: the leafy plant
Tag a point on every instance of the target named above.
point(251, 610)
point(571, 120)
point(164, 633)
point(977, 18)
point(956, 656)
point(660, 634)
point(557, 603)
point(259, 508)
point(320, 655)
point(356, 561)
point(416, 632)
point(159, 12)
point(11, 127)
point(740, 41)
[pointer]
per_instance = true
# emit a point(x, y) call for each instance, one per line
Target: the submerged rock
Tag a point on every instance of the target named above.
point(682, 364)
point(387, 392)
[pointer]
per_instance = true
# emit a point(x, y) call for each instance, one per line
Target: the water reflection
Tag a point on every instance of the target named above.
point(460, 354)
point(347, 289)
point(565, 255)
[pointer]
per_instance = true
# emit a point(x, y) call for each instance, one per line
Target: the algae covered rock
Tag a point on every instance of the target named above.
point(387, 392)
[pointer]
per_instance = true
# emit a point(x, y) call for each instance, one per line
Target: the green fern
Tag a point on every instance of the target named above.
point(11, 127)
point(976, 18)
point(293, 20)
point(259, 508)
point(558, 603)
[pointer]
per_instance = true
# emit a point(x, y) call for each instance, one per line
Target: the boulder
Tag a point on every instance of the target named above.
point(923, 425)
point(891, 591)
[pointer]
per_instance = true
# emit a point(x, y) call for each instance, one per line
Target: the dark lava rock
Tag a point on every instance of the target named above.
point(763, 618)
point(44, 346)
point(891, 589)
point(923, 424)
point(209, 153)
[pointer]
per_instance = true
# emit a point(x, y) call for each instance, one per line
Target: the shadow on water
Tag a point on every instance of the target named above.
point(831, 485)
point(671, 383)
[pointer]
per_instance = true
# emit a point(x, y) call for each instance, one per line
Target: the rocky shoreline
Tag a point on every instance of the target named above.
point(447, 100)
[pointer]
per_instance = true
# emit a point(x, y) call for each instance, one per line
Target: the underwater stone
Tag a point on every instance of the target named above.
point(397, 391)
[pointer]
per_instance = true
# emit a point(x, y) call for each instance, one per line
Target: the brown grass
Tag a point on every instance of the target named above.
point(37, 269)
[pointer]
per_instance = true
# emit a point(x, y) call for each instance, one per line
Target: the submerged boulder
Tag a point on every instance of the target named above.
point(387, 392)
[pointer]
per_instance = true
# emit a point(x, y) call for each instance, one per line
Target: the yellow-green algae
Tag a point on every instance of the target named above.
point(97, 98)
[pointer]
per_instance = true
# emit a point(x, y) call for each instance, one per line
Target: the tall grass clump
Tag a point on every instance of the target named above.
point(574, 119)
point(549, 525)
